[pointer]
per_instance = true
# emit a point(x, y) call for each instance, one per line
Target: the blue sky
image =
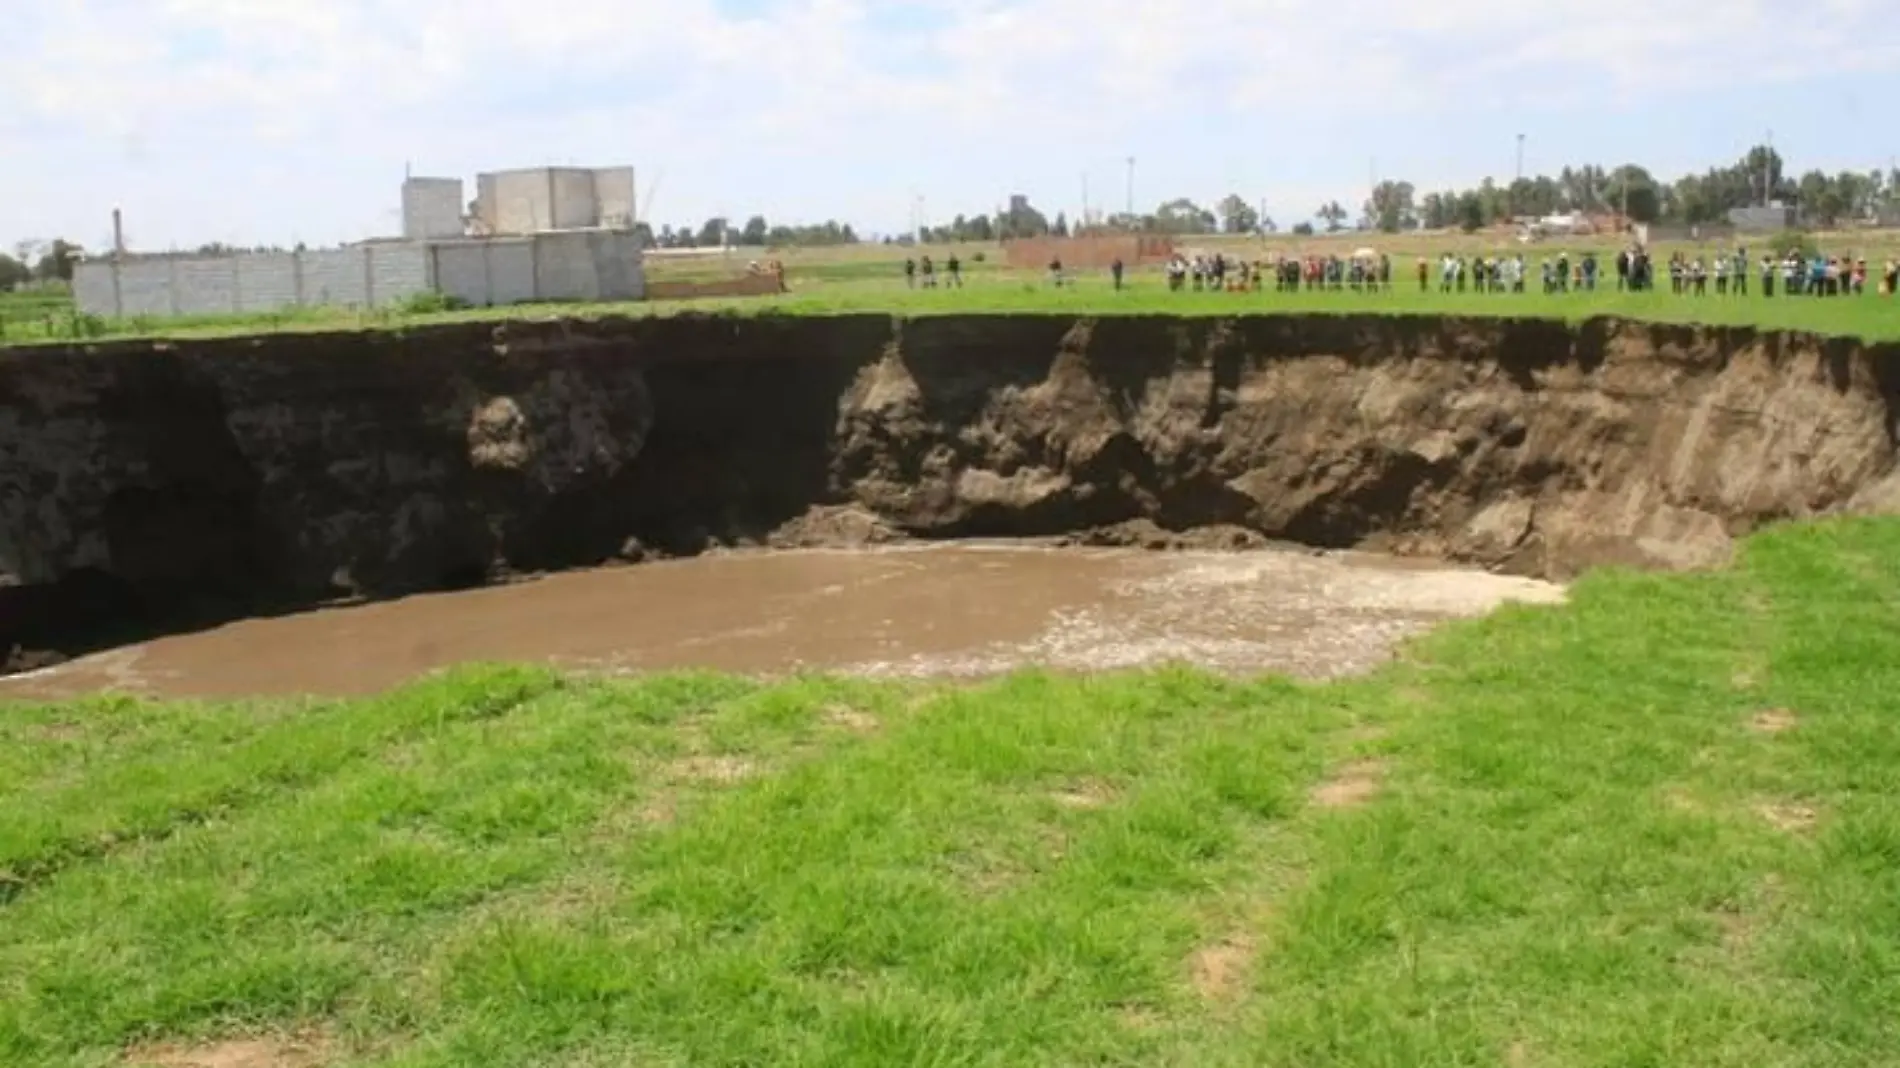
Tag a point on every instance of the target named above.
point(274, 121)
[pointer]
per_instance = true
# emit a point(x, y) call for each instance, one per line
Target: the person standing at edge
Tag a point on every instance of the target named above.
point(1115, 271)
point(953, 272)
point(1767, 275)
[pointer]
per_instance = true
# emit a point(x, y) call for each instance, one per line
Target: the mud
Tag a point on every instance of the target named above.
point(151, 487)
point(936, 611)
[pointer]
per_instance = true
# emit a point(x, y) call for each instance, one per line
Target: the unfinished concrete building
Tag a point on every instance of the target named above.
point(432, 207)
point(536, 199)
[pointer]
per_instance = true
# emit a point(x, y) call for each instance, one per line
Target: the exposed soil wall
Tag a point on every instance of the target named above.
point(148, 483)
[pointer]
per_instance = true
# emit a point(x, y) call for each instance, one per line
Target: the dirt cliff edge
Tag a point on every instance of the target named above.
point(148, 483)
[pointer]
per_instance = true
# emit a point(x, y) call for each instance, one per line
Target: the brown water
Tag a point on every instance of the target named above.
point(941, 610)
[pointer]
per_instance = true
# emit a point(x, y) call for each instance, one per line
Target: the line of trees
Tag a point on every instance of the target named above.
point(718, 232)
point(38, 261)
point(1759, 175)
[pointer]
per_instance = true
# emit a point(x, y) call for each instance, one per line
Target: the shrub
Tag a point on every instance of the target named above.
point(430, 302)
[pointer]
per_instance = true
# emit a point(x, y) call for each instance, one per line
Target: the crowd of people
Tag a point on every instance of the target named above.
point(1633, 270)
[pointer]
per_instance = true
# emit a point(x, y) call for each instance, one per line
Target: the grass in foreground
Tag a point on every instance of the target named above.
point(1659, 826)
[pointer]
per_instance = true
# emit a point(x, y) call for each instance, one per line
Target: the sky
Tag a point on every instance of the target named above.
point(279, 121)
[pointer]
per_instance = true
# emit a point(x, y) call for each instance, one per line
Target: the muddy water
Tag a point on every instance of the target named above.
point(945, 610)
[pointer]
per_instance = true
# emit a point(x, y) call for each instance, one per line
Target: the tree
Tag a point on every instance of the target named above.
point(1390, 207)
point(1471, 215)
point(56, 264)
point(1303, 229)
point(754, 232)
point(13, 273)
point(714, 233)
point(643, 236)
point(1632, 191)
point(1183, 216)
point(1267, 225)
point(1021, 220)
point(1236, 215)
point(1132, 224)
point(1333, 216)
point(1061, 228)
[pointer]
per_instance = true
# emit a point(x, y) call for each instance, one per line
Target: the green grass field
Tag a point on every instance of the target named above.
point(1657, 826)
point(869, 279)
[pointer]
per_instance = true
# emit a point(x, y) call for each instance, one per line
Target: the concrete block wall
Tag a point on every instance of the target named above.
point(614, 196)
point(270, 283)
point(511, 272)
point(564, 266)
point(252, 282)
point(574, 204)
point(514, 202)
point(554, 198)
point(431, 207)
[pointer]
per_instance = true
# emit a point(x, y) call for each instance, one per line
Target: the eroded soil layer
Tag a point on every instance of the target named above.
point(149, 485)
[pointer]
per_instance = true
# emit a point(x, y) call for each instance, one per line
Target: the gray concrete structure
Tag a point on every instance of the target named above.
point(554, 198)
point(432, 207)
point(1762, 219)
point(585, 265)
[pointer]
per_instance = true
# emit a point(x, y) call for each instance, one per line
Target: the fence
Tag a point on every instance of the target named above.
point(243, 283)
point(1094, 251)
point(575, 265)
point(761, 284)
point(570, 266)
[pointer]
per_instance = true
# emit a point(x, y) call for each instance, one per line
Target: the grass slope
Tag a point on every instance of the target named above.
point(1658, 826)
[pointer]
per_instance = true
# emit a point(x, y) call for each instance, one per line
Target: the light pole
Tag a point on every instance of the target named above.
point(1131, 191)
point(1520, 175)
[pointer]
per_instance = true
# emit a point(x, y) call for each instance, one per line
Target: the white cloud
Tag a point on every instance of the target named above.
point(162, 98)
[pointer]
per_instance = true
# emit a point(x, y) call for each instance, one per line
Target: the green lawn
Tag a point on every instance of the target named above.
point(877, 288)
point(1657, 826)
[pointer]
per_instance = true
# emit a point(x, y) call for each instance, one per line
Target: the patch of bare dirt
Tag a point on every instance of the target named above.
point(721, 770)
point(660, 811)
point(1518, 1055)
point(1365, 734)
point(1774, 721)
point(1351, 786)
point(304, 1050)
point(1139, 1018)
point(1085, 794)
point(1219, 969)
point(851, 719)
point(1791, 816)
point(1681, 800)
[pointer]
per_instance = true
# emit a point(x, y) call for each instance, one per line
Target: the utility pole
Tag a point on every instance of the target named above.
point(1511, 200)
point(1131, 191)
point(1085, 198)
